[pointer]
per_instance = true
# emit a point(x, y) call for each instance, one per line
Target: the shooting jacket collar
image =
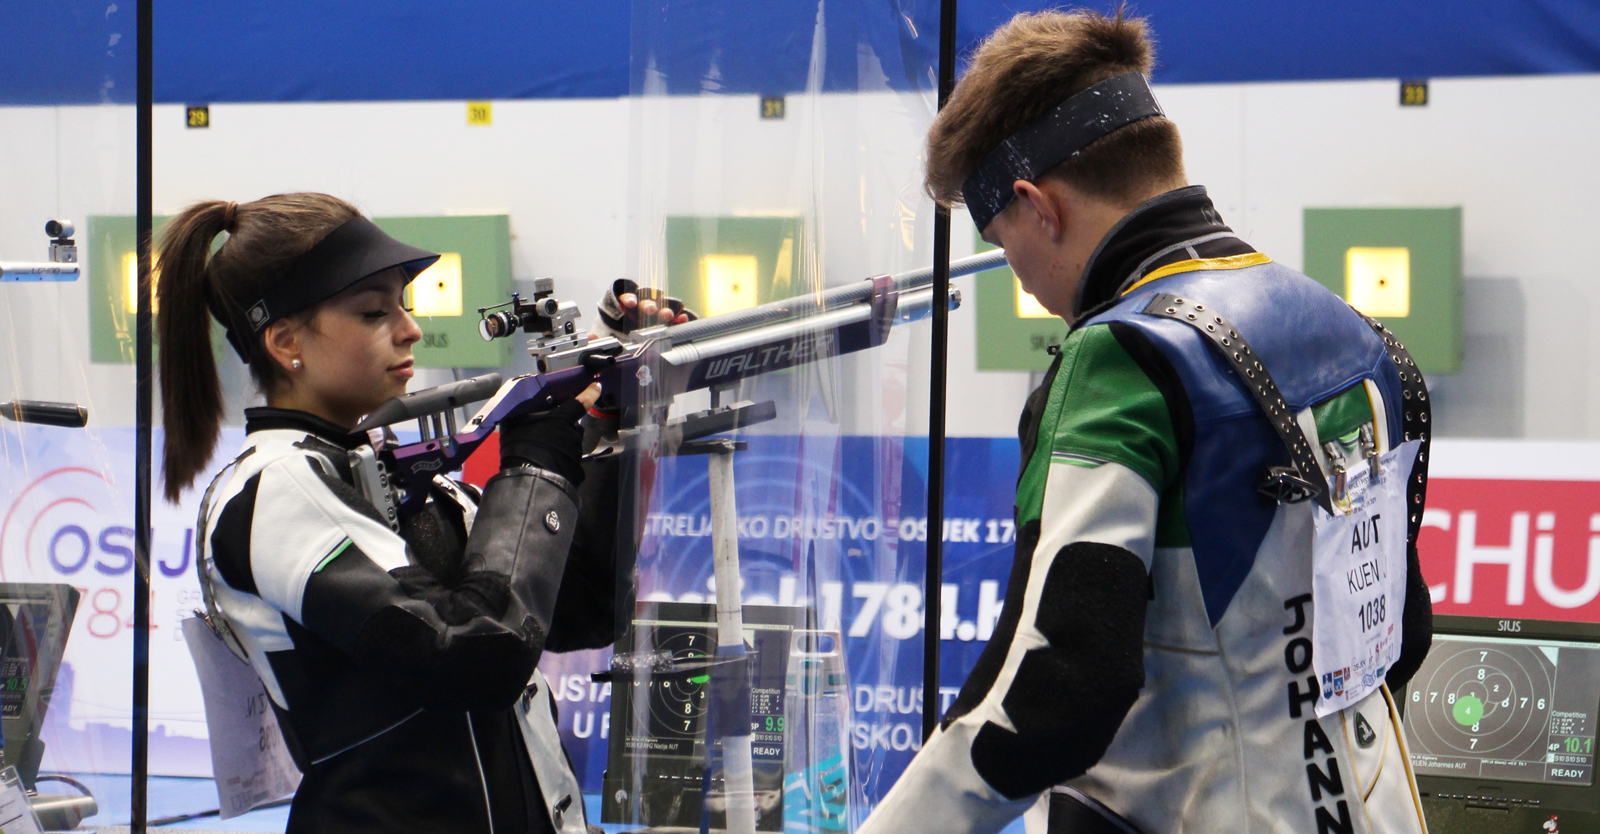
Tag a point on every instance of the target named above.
point(1175, 226)
point(287, 419)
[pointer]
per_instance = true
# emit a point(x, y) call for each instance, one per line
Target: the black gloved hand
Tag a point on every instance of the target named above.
point(549, 439)
point(617, 319)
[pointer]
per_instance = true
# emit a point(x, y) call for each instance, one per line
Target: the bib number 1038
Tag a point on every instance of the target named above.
point(1358, 573)
point(1374, 612)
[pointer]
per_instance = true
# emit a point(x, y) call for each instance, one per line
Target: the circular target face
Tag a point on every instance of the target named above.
point(678, 702)
point(1483, 700)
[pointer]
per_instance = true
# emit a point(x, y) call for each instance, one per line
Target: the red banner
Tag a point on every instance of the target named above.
point(1513, 548)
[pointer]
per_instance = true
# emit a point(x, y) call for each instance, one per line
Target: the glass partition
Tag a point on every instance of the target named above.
point(67, 420)
point(769, 670)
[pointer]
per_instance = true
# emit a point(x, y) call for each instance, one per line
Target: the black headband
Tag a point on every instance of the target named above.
point(1057, 134)
point(357, 249)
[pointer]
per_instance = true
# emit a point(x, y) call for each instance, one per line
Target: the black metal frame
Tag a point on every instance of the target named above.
point(144, 372)
point(933, 577)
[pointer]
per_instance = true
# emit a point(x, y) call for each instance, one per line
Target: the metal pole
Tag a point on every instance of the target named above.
point(733, 700)
point(933, 580)
point(143, 409)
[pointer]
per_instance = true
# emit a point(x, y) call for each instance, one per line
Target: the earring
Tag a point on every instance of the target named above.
point(297, 364)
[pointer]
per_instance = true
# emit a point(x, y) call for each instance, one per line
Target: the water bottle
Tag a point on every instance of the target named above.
point(816, 748)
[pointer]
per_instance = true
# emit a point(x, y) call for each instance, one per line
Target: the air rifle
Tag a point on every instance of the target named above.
point(647, 368)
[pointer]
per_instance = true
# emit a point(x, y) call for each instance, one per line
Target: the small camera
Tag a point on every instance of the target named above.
point(63, 249)
point(63, 263)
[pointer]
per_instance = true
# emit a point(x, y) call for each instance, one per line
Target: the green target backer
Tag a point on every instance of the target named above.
point(474, 271)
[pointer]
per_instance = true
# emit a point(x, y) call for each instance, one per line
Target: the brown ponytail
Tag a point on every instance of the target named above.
point(262, 236)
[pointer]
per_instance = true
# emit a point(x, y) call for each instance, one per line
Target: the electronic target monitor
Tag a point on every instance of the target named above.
point(656, 768)
point(1502, 718)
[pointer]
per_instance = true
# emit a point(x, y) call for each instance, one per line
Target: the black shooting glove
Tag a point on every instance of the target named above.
point(619, 321)
point(550, 440)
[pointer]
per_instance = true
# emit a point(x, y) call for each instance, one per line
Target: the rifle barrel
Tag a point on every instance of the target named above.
point(813, 304)
point(912, 306)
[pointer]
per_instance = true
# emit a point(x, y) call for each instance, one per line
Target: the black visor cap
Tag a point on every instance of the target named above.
point(355, 251)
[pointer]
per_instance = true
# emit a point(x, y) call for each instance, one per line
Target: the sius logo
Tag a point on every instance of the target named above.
point(1509, 625)
point(425, 466)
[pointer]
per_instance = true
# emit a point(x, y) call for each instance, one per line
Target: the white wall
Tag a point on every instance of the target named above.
point(59, 162)
point(1516, 153)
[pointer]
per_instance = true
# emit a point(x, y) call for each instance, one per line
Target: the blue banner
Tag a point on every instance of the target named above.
point(859, 559)
point(78, 52)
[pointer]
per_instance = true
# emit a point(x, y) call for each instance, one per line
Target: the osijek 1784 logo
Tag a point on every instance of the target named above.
point(74, 524)
point(67, 522)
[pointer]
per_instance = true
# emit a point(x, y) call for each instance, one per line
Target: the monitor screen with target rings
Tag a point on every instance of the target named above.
point(1506, 706)
point(656, 769)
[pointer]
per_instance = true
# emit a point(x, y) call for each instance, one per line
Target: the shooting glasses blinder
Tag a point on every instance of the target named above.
point(356, 250)
point(1056, 135)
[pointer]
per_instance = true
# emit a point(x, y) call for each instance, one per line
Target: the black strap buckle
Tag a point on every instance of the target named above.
point(1284, 485)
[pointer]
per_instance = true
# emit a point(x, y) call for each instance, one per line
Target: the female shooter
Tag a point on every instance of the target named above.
point(401, 662)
